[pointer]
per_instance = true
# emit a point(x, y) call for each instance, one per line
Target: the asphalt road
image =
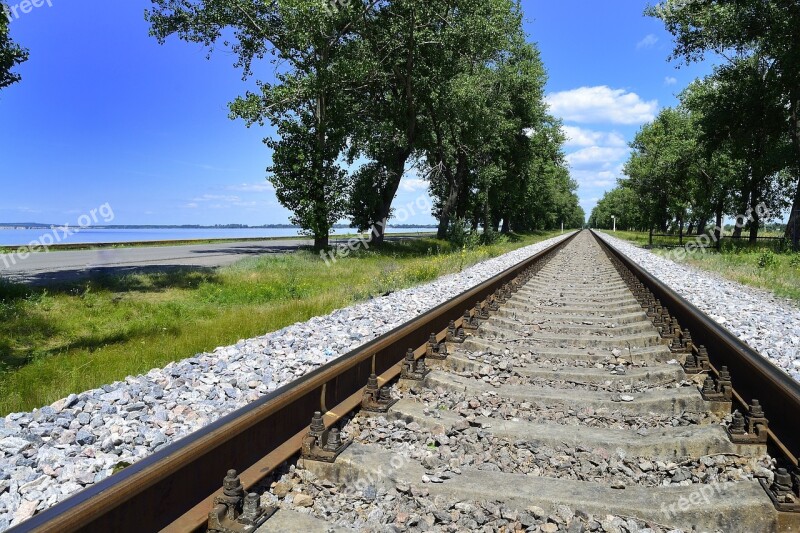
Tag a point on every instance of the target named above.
point(44, 268)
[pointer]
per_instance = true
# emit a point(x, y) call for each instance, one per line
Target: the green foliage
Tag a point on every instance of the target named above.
point(11, 54)
point(760, 41)
point(623, 203)
point(452, 89)
point(766, 259)
point(461, 236)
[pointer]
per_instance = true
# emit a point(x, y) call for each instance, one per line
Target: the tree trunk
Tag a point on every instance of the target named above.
point(396, 168)
point(455, 183)
point(320, 242)
point(754, 224)
point(506, 226)
point(718, 227)
point(793, 227)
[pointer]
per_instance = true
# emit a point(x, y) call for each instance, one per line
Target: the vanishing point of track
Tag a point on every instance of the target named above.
point(576, 347)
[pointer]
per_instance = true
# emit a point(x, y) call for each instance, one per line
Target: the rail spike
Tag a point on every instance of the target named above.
point(322, 444)
point(233, 512)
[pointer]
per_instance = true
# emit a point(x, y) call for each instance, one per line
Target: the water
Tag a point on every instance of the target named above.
point(21, 237)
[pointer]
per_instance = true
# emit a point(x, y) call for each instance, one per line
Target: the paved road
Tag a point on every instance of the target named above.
point(44, 268)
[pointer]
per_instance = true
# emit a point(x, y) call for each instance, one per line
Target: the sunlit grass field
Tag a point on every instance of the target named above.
point(757, 267)
point(72, 338)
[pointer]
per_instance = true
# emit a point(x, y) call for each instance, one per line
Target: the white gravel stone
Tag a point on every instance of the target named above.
point(128, 420)
point(768, 324)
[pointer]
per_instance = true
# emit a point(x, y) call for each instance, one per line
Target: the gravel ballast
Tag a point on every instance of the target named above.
point(768, 324)
point(49, 454)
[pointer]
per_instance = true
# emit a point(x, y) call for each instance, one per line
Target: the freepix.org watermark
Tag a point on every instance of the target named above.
point(420, 205)
point(59, 234)
point(14, 12)
point(701, 243)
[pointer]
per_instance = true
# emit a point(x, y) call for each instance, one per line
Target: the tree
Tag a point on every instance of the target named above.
point(740, 113)
point(308, 105)
point(394, 51)
point(622, 203)
point(662, 169)
point(11, 54)
point(769, 29)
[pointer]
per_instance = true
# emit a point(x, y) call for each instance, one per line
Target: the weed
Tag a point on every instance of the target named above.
point(767, 259)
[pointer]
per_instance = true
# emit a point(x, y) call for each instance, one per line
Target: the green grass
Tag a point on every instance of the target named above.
point(71, 338)
point(759, 267)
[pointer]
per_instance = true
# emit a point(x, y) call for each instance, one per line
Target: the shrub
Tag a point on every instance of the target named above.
point(461, 236)
point(767, 259)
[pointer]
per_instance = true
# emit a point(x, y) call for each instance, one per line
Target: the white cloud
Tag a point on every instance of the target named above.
point(669, 80)
point(648, 42)
point(603, 179)
point(580, 137)
point(590, 201)
point(252, 187)
point(602, 104)
point(597, 156)
point(216, 197)
point(413, 185)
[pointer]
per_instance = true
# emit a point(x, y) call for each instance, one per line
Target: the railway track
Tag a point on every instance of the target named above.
point(577, 394)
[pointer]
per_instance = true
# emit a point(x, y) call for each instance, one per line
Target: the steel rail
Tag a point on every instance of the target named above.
point(158, 491)
point(753, 376)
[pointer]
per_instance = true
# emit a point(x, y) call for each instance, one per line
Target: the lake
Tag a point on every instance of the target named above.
point(21, 237)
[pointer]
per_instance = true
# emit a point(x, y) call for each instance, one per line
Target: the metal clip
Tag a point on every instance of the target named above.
point(782, 492)
point(469, 322)
point(414, 369)
point(754, 424)
point(323, 444)
point(376, 399)
point(233, 512)
point(454, 334)
point(436, 350)
point(482, 312)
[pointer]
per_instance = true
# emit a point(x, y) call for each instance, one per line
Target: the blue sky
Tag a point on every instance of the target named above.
point(105, 114)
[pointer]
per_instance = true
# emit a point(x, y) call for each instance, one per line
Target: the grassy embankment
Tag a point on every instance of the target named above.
point(757, 267)
point(66, 339)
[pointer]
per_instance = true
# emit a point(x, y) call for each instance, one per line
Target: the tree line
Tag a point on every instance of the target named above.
point(366, 91)
point(731, 148)
point(362, 93)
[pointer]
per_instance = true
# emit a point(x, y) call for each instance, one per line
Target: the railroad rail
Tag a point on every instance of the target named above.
point(577, 329)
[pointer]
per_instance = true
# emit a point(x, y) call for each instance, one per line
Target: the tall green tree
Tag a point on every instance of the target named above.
point(768, 28)
point(661, 168)
point(11, 54)
point(394, 52)
point(622, 203)
point(308, 104)
point(740, 112)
